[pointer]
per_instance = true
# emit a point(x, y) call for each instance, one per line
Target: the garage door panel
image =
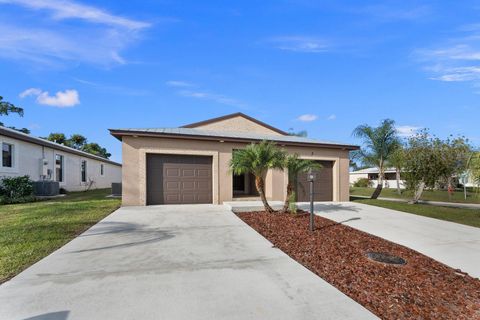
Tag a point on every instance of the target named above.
point(171, 172)
point(323, 185)
point(176, 179)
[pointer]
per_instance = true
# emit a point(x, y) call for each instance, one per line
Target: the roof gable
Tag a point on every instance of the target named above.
point(236, 122)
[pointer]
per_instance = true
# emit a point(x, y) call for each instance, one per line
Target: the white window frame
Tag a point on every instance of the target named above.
point(14, 167)
point(64, 168)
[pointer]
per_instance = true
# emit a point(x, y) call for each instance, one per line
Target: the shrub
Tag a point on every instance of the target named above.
point(16, 190)
point(362, 183)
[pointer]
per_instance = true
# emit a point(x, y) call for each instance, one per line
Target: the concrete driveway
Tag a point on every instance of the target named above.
point(453, 244)
point(172, 262)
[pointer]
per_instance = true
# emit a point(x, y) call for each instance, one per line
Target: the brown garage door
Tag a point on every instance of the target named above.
point(322, 187)
point(178, 179)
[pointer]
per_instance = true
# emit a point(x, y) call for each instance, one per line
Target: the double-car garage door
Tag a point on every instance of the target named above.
point(178, 179)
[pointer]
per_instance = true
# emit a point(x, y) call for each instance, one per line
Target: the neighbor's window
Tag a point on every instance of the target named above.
point(7, 155)
point(84, 170)
point(59, 167)
point(101, 170)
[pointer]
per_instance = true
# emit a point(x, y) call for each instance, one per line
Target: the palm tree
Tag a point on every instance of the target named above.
point(294, 166)
point(257, 159)
point(397, 160)
point(380, 144)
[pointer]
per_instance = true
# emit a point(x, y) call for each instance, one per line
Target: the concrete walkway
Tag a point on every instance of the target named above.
point(172, 262)
point(460, 205)
point(451, 243)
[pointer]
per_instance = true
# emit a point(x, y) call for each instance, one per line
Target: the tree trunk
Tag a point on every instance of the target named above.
point(418, 193)
point(397, 173)
point(260, 184)
point(286, 205)
point(379, 188)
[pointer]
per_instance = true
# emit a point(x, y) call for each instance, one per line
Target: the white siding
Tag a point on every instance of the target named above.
point(27, 158)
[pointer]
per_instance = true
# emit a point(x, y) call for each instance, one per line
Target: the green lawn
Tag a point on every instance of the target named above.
point(432, 195)
point(29, 232)
point(469, 217)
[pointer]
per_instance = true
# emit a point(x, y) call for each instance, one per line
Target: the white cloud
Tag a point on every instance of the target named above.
point(307, 117)
point(332, 117)
point(73, 10)
point(98, 38)
point(407, 131)
point(177, 83)
point(218, 98)
point(300, 44)
point(61, 99)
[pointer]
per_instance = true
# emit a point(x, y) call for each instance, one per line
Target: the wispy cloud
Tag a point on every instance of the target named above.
point(177, 83)
point(332, 117)
point(188, 89)
point(99, 37)
point(307, 117)
point(407, 131)
point(61, 99)
point(73, 10)
point(218, 98)
point(304, 44)
point(390, 13)
point(457, 60)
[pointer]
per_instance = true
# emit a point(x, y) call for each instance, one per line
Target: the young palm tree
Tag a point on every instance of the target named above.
point(294, 166)
point(397, 160)
point(257, 159)
point(381, 142)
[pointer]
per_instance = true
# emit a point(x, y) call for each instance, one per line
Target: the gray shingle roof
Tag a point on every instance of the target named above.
point(228, 134)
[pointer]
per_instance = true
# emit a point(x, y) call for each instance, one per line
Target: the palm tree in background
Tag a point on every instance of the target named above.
point(294, 165)
point(257, 159)
point(397, 161)
point(380, 143)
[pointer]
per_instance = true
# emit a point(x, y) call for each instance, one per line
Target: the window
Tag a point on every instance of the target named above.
point(84, 170)
point(101, 170)
point(59, 167)
point(7, 155)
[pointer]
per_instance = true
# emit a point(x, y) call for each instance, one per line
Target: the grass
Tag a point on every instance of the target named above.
point(31, 231)
point(431, 195)
point(469, 217)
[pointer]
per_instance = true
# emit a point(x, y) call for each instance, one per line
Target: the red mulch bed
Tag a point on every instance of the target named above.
point(421, 289)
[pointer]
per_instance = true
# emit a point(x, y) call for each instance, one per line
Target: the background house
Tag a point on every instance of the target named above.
point(23, 154)
point(372, 175)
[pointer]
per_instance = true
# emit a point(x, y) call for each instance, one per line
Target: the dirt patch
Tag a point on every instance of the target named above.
point(420, 289)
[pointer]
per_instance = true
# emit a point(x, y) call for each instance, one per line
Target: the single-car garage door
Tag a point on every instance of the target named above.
point(178, 179)
point(322, 187)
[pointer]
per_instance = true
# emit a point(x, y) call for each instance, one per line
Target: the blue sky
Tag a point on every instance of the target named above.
point(321, 66)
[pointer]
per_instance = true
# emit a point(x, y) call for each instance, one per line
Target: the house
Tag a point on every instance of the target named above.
point(190, 164)
point(372, 175)
point(40, 159)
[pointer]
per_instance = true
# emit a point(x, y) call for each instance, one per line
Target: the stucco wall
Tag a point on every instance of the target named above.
point(238, 124)
point(134, 167)
point(27, 162)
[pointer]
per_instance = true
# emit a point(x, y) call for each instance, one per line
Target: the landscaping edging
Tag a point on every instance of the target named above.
point(422, 288)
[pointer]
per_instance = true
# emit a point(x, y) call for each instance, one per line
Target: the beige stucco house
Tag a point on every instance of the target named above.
point(190, 164)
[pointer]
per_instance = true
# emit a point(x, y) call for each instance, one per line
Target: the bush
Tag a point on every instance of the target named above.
point(16, 190)
point(362, 183)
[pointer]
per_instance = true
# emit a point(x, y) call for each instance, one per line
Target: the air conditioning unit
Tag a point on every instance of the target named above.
point(44, 168)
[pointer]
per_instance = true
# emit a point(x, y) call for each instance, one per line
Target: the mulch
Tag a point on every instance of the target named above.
point(423, 288)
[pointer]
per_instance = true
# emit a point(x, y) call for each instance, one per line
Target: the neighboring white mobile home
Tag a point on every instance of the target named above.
point(75, 170)
point(372, 175)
